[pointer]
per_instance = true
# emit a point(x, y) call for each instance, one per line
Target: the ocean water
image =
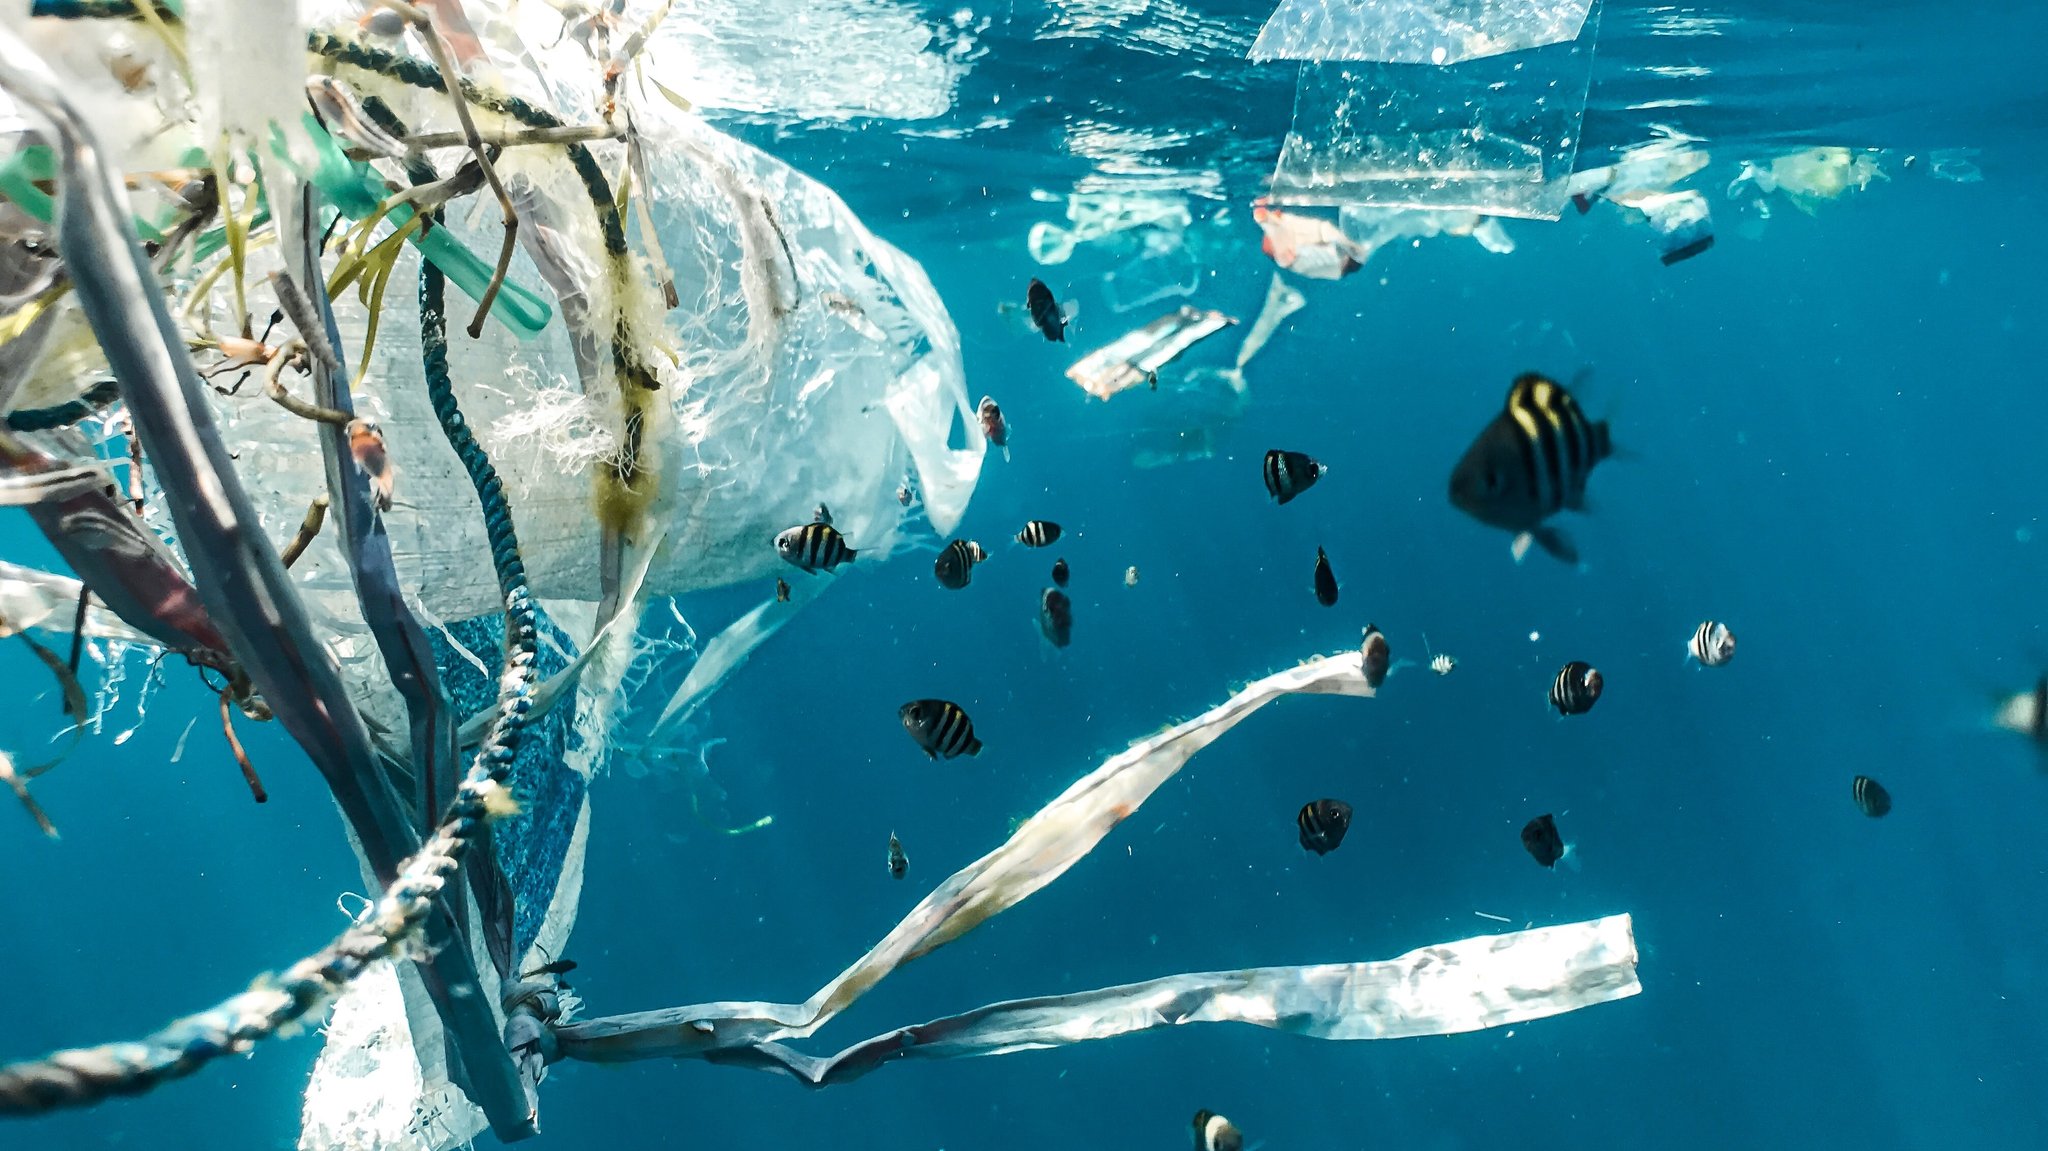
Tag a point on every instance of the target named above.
point(1835, 443)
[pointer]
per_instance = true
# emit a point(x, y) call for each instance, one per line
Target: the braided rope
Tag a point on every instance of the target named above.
point(84, 1076)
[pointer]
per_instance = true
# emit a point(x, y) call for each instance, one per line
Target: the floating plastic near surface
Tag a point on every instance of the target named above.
point(1415, 31)
point(1376, 124)
point(1136, 356)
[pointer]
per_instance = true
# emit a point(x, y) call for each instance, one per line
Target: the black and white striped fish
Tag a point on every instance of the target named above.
point(1056, 617)
point(1215, 1133)
point(2026, 713)
point(1047, 314)
point(1530, 462)
point(1871, 797)
point(1322, 823)
point(1288, 474)
point(940, 727)
point(1326, 581)
point(1377, 655)
point(899, 863)
point(814, 546)
point(781, 590)
point(1541, 840)
point(1038, 533)
point(1059, 571)
point(955, 565)
point(1712, 644)
point(1576, 689)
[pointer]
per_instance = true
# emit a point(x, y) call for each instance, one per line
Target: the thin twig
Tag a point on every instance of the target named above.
point(316, 515)
point(274, 388)
point(452, 80)
point(227, 727)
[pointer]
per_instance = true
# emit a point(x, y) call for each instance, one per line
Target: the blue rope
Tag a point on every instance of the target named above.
point(515, 687)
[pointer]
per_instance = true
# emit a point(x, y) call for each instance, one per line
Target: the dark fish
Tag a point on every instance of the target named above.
point(781, 590)
point(1326, 581)
point(1056, 617)
point(1288, 474)
point(940, 727)
point(1046, 314)
point(814, 546)
point(1323, 823)
point(955, 565)
point(1038, 533)
point(1540, 839)
point(1059, 571)
point(898, 862)
point(558, 967)
point(1215, 1133)
point(821, 514)
point(2026, 713)
point(1377, 654)
point(903, 494)
point(1530, 462)
point(1871, 797)
point(992, 423)
point(1576, 689)
point(1712, 644)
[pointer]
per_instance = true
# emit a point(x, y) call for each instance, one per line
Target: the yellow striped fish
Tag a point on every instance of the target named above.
point(1531, 462)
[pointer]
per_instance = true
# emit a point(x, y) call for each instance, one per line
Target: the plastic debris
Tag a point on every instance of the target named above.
point(1806, 178)
point(1642, 182)
point(1136, 356)
point(1307, 245)
point(1415, 31)
point(1103, 216)
point(1282, 301)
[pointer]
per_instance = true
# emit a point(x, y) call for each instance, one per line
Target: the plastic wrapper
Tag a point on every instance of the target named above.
point(1106, 216)
point(1136, 356)
point(1163, 267)
point(1439, 990)
point(1806, 178)
point(1415, 31)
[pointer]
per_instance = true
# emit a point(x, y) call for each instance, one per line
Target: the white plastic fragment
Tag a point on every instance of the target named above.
point(1437, 32)
point(1136, 356)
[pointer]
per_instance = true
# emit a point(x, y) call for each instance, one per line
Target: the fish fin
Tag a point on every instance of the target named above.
point(1068, 311)
point(1554, 541)
point(1006, 453)
point(1519, 549)
point(1583, 202)
point(973, 746)
point(1570, 859)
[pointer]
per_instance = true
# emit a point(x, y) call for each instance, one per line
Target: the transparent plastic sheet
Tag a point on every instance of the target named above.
point(1094, 217)
point(1415, 31)
point(1442, 990)
point(1492, 134)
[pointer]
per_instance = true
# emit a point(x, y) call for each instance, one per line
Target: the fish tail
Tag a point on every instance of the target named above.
point(1603, 440)
point(851, 555)
point(973, 746)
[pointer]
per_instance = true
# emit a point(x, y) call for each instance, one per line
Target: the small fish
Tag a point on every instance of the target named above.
point(1288, 474)
point(814, 546)
point(955, 565)
point(1059, 571)
point(903, 494)
point(1215, 1133)
point(1871, 797)
point(1541, 841)
point(821, 514)
point(1131, 576)
point(1712, 644)
point(1038, 533)
point(940, 727)
point(781, 590)
point(1576, 689)
point(366, 445)
point(1326, 581)
point(1056, 617)
point(558, 967)
point(1323, 823)
point(899, 863)
point(993, 425)
point(1377, 654)
point(1046, 313)
point(2026, 713)
point(1531, 461)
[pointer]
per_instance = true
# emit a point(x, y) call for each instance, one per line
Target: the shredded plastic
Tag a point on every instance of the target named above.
point(1136, 356)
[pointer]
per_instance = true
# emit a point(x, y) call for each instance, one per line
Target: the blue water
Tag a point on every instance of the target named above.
point(1835, 430)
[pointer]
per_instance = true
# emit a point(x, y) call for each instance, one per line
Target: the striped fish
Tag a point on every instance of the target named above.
point(1056, 617)
point(1712, 644)
point(1529, 463)
point(899, 863)
point(1871, 797)
point(1541, 840)
point(1576, 689)
point(781, 590)
point(1038, 533)
point(1322, 823)
point(1288, 474)
point(814, 546)
point(1326, 581)
point(1215, 1133)
point(1059, 571)
point(1377, 655)
point(955, 565)
point(940, 727)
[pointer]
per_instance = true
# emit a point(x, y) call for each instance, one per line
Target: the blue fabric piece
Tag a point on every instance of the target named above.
point(531, 846)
